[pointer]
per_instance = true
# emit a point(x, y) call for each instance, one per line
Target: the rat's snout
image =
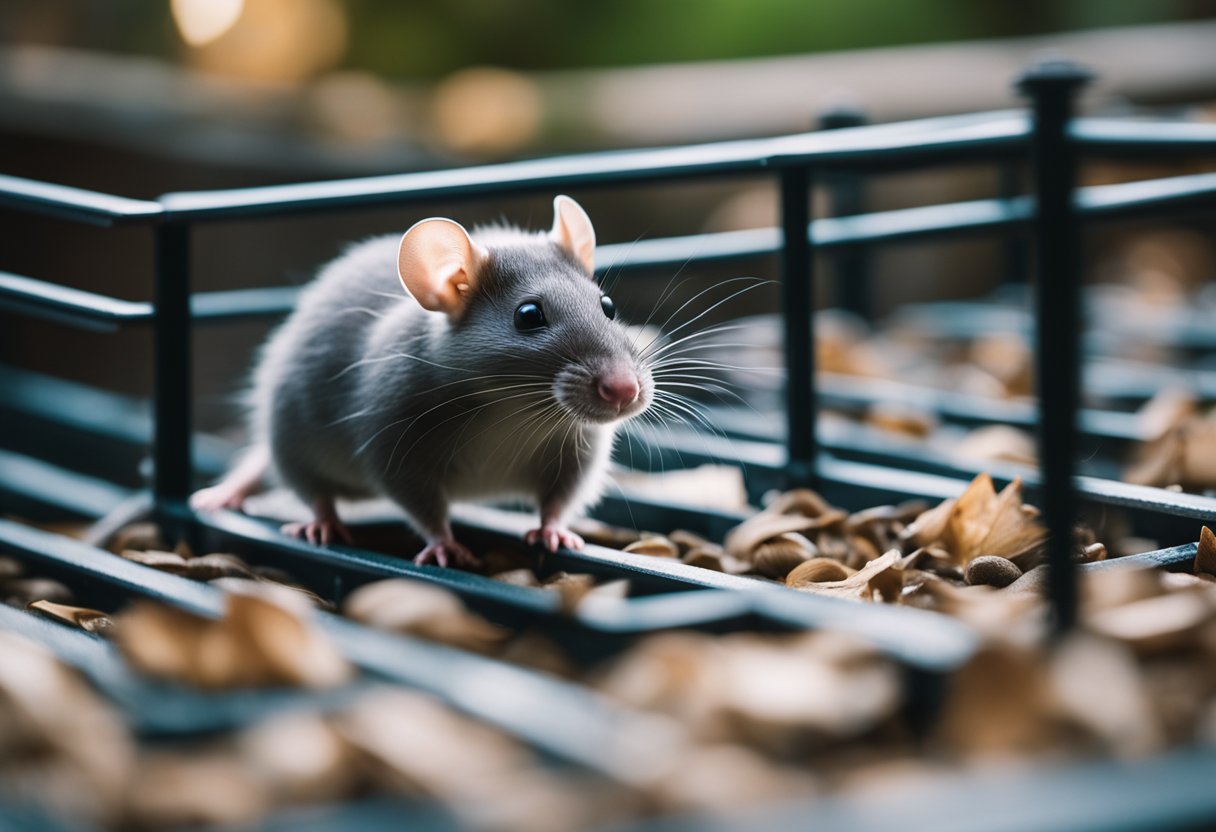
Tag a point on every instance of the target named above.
point(618, 387)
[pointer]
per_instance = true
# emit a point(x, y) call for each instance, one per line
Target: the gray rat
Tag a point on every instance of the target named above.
point(443, 366)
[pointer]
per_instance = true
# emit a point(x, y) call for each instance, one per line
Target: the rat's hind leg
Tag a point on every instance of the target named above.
point(237, 484)
point(324, 528)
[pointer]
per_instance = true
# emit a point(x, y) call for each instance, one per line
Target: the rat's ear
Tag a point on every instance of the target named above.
point(572, 231)
point(437, 264)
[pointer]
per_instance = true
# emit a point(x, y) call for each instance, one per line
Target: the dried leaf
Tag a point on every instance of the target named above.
point(994, 443)
point(518, 577)
point(602, 534)
point(999, 704)
point(817, 570)
point(981, 522)
point(300, 758)
point(1156, 624)
point(776, 557)
point(1169, 408)
point(10, 568)
point(218, 565)
point(864, 584)
point(264, 638)
point(401, 605)
point(93, 621)
point(177, 790)
point(21, 592)
point(656, 546)
point(742, 540)
point(1205, 553)
point(164, 561)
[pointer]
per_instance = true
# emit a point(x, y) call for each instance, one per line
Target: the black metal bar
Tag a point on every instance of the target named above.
point(1103, 202)
point(946, 140)
point(43, 299)
point(1125, 137)
point(846, 188)
point(73, 204)
point(1052, 87)
point(171, 454)
point(798, 300)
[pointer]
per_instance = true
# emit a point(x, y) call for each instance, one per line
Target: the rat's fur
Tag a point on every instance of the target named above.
point(363, 392)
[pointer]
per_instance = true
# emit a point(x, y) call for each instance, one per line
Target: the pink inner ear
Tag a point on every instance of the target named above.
point(572, 230)
point(437, 263)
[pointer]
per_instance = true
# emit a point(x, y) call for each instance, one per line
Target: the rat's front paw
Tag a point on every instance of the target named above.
point(447, 553)
point(319, 532)
point(217, 497)
point(553, 538)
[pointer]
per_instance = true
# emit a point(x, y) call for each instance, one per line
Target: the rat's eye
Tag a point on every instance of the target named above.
point(608, 306)
point(529, 316)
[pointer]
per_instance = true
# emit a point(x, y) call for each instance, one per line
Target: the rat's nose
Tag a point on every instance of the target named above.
point(618, 388)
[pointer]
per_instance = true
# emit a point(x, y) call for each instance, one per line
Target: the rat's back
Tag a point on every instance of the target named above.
point(305, 394)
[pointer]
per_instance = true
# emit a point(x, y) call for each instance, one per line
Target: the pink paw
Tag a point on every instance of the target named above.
point(217, 497)
point(447, 553)
point(319, 532)
point(553, 537)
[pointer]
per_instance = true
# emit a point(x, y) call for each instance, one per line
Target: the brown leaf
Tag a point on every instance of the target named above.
point(93, 621)
point(264, 638)
point(656, 546)
point(817, 570)
point(981, 522)
point(863, 585)
point(400, 605)
point(1157, 624)
point(1205, 553)
point(20, 592)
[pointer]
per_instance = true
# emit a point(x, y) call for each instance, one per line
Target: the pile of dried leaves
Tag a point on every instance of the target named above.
point(62, 747)
point(265, 638)
point(908, 553)
point(1180, 444)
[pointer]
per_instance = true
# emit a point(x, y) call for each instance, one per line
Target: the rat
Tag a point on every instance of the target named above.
point(442, 366)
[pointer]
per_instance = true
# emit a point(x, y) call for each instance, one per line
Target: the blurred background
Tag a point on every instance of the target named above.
point(150, 96)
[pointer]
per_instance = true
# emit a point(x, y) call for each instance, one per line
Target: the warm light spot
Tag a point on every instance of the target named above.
point(278, 42)
point(358, 106)
point(202, 21)
point(487, 111)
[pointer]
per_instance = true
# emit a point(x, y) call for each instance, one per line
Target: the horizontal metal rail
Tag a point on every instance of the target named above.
point(948, 139)
point(1101, 202)
point(74, 204)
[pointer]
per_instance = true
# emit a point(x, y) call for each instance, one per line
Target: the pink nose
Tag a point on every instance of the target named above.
point(618, 388)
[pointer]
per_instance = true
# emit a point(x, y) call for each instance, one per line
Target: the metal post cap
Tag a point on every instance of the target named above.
point(1053, 73)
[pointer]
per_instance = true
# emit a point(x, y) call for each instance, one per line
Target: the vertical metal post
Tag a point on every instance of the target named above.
point(171, 450)
point(798, 298)
point(1052, 86)
point(851, 267)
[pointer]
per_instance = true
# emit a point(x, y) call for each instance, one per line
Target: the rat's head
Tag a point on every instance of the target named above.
point(526, 315)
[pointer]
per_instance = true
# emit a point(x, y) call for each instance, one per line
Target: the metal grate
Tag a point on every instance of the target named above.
point(564, 719)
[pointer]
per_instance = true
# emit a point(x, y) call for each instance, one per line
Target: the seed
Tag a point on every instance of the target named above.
point(992, 570)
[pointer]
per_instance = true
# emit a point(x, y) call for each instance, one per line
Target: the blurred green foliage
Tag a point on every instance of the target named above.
point(421, 38)
point(426, 39)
